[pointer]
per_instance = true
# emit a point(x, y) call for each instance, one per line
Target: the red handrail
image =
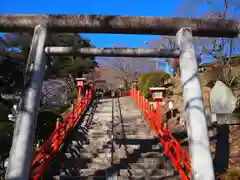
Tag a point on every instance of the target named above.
point(45, 153)
point(172, 147)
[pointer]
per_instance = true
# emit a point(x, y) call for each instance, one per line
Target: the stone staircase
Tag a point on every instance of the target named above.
point(112, 142)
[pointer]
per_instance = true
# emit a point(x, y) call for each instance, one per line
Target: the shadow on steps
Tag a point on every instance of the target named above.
point(69, 159)
point(145, 147)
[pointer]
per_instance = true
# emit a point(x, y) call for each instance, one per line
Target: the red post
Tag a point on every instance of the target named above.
point(158, 113)
point(138, 99)
point(80, 99)
point(134, 94)
point(179, 158)
point(80, 85)
point(79, 93)
point(58, 131)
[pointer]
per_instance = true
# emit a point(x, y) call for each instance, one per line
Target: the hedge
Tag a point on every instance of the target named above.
point(143, 79)
point(155, 80)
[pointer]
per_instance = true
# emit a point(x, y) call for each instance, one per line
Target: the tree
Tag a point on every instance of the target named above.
point(15, 60)
point(3, 46)
point(76, 66)
point(228, 9)
point(151, 79)
point(124, 70)
point(143, 79)
point(94, 74)
point(218, 49)
point(12, 72)
point(169, 42)
point(155, 80)
point(12, 69)
point(61, 66)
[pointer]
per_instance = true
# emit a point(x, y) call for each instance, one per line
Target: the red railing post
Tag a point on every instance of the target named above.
point(158, 111)
point(134, 94)
point(56, 142)
point(139, 99)
point(179, 157)
point(79, 93)
point(50, 147)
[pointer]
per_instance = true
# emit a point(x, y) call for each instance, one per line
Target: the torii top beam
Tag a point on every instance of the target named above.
point(120, 24)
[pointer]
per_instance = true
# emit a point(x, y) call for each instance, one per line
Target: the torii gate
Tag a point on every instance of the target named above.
point(201, 161)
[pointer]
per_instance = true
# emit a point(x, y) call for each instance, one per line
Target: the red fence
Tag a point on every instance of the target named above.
point(50, 147)
point(172, 147)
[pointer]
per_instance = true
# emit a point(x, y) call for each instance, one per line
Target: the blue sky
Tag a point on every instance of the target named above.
point(107, 7)
point(110, 7)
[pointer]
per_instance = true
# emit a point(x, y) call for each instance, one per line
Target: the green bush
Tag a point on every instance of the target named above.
point(155, 80)
point(46, 123)
point(72, 95)
point(143, 79)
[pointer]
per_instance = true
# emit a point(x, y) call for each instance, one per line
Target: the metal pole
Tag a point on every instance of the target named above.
point(24, 132)
point(201, 159)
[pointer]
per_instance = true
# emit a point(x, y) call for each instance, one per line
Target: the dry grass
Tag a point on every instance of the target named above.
point(231, 174)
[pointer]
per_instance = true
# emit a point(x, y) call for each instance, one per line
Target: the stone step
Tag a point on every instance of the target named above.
point(92, 171)
point(82, 154)
point(94, 153)
point(98, 135)
point(106, 158)
point(149, 163)
point(99, 166)
point(143, 155)
point(145, 165)
point(98, 143)
point(137, 154)
point(131, 134)
point(135, 139)
point(128, 154)
point(79, 178)
point(138, 165)
point(144, 143)
point(152, 155)
point(153, 148)
point(94, 139)
point(97, 132)
point(161, 173)
point(153, 177)
point(152, 160)
point(94, 150)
